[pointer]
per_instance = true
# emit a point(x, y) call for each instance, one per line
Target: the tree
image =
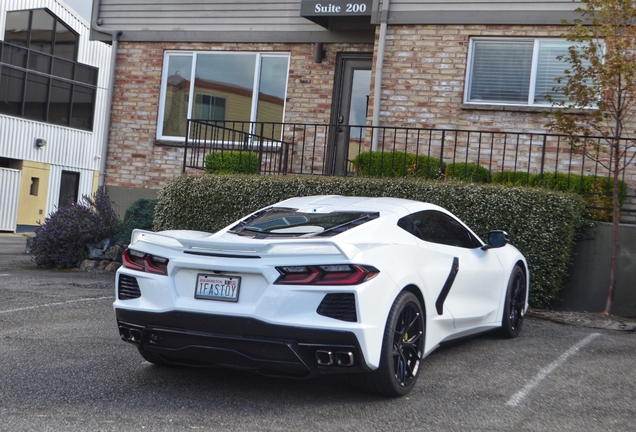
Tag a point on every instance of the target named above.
point(599, 110)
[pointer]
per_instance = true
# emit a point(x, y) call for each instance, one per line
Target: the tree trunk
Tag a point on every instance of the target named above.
point(615, 221)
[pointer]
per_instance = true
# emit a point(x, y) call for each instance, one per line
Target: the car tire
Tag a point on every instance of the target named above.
point(402, 350)
point(514, 307)
point(152, 358)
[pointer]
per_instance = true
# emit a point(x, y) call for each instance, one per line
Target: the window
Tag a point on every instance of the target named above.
point(40, 78)
point(209, 107)
point(225, 86)
point(11, 91)
point(69, 188)
point(41, 31)
point(515, 71)
point(284, 221)
point(35, 186)
point(437, 227)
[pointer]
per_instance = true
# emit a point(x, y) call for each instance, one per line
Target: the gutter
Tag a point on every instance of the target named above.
point(379, 64)
point(114, 34)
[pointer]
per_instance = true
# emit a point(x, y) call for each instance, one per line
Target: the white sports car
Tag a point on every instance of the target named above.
point(320, 284)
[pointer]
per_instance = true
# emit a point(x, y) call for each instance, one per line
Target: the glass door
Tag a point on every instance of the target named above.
point(350, 110)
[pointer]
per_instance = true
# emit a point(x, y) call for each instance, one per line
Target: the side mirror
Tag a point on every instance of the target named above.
point(496, 239)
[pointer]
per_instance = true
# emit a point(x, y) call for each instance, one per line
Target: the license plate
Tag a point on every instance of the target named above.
point(217, 287)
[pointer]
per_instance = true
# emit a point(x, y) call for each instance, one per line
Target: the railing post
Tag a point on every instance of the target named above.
point(285, 147)
point(260, 147)
point(545, 143)
point(441, 152)
point(185, 147)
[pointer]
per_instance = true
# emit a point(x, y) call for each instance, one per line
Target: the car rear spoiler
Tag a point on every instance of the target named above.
point(286, 247)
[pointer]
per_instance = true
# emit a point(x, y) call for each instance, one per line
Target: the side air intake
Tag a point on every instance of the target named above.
point(339, 306)
point(128, 288)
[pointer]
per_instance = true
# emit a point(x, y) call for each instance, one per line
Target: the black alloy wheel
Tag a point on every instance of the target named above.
point(402, 350)
point(408, 345)
point(515, 305)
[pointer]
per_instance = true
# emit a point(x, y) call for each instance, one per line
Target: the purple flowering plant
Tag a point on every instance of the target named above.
point(60, 242)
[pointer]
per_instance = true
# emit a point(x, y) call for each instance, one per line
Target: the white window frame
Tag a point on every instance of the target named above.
point(533, 71)
point(255, 87)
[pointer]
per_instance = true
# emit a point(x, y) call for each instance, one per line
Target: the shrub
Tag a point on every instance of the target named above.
point(542, 223)
point(231, 161)
point(61, 241)
point(511, 178)
point(139, 215)
point(397, 164)
point(471, 172)
point(595, 190)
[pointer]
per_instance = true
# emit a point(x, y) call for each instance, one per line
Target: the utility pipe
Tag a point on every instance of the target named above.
point(114, 34)
point(379, 63)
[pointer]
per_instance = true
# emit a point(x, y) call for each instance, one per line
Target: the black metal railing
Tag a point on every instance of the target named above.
point(520, 158)
point(235, 146)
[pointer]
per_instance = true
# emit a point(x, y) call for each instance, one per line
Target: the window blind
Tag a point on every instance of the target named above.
point(501, 71)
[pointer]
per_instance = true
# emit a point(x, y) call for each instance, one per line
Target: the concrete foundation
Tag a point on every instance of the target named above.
point(588, 284)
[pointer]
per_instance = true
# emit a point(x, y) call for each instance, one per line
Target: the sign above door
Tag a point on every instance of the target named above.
point(325, 12)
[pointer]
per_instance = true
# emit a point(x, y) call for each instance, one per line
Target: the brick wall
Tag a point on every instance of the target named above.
point(137, 160)
point(423, 78)
point(423, 84)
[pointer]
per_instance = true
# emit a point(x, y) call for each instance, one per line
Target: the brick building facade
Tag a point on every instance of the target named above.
point(429, 76)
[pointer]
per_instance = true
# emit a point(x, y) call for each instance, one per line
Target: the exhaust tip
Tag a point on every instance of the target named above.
point(124, 333)
point(324, 358)
point(135, 335)
point(344, 358)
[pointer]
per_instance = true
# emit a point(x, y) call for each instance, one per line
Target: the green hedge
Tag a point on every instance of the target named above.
point(471, 172)
point(596, 190)
point(139, 215)
point(542, 223)
point(231, 161)
point(397, 164)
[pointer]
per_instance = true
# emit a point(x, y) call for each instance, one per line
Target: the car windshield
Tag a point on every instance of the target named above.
point(278, 221)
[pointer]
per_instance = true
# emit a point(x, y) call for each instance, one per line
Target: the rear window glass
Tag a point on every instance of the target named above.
point(277, 221)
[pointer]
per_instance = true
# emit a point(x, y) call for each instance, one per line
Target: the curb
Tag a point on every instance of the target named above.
point(585, 319)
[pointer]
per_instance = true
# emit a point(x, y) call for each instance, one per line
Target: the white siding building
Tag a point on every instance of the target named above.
point(53, 93)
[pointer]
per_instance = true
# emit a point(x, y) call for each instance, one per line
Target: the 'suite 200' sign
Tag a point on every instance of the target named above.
point(335, 8)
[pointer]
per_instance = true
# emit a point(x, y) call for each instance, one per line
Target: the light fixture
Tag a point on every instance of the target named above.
point(40, 142)
point(319, 52)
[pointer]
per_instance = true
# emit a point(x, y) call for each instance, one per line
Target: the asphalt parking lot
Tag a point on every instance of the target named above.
point(64, 368)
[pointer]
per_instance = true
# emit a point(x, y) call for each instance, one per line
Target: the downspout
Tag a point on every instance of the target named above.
point(114, 34)
point(377, 89)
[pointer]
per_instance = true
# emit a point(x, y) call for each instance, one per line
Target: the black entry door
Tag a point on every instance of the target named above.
point(350, 108)
point(69, 188)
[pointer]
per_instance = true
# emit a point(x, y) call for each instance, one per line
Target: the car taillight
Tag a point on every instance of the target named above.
point(335, 274)
point(141, 261)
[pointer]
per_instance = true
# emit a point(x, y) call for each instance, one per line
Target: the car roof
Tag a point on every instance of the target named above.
point(329, 203)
